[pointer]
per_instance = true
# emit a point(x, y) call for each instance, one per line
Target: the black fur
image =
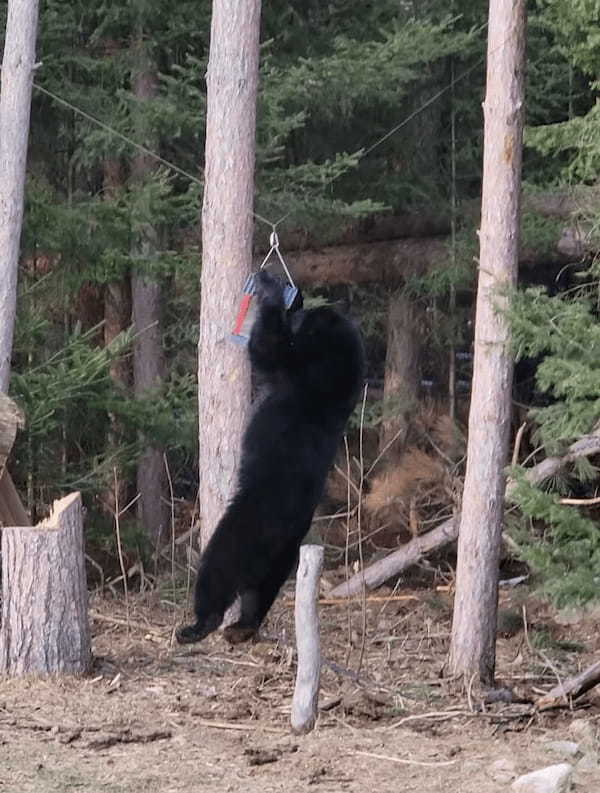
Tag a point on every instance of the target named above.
point(311, 363)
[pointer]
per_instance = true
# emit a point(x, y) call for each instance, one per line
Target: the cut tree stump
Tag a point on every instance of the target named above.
point(306, 692)
point(45, 628)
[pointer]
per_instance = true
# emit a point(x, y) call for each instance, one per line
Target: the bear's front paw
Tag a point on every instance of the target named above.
point(268, 288)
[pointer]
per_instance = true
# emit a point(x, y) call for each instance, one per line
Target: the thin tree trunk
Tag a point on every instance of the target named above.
point(227, 226)
point(473, 645)
point(146, 297)
point(117, 318)
point(402, 374)
point(15, 109)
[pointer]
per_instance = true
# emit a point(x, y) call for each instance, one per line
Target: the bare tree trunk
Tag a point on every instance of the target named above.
point(45, 628)
point(117, 318)
point(402, 375)
point(15, 109)
point(473, 645)
point(227, 226)
point(146, 297)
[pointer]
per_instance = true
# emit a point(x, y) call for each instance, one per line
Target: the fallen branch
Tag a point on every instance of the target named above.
point(379, 572)
point(98, 617)
point(573, 687)
point(403, 761)
point(244, 726)
point(370, 599)
point(110, 739)
point(586, 446)
point(579, 502)
point(384, 569)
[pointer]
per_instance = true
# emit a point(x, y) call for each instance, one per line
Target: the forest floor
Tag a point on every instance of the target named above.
point(157, 718)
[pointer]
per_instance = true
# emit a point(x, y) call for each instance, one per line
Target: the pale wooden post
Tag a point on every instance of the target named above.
point(45, 628)
point(306, 693)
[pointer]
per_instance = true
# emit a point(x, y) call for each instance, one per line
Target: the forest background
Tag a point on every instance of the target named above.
point(105, 362)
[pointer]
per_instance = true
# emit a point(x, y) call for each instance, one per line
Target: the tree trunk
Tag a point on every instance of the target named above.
point(117, 318)
point(15, 109)
point(146, 297)
point(12, 511)
point(227, 226)
point(306, 692)
point(402, 374)
point(473, 645)
point(45, 628)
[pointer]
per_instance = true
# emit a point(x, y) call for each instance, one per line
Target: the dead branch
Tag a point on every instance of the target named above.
point(579, 502)
point(403, 761)
point(127, 736)
point(375, 575)
point(570, 689)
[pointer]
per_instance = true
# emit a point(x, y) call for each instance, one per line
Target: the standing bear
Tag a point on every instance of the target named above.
point(311, 367)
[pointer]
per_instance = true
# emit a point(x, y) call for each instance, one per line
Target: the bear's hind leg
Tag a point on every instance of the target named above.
point(257, 602)
point(214, 593)
point(247, 626)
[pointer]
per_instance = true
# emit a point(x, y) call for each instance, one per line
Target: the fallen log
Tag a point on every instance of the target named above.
point(431, 222)
point(586, 446)
point(384, 569)
point(392, 262)
point(379, 572)
point(563, 694)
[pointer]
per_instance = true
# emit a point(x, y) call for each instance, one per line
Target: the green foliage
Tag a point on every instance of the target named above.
point(561, 543)
point(539, 233)
point(564, 330)
point(565, 551)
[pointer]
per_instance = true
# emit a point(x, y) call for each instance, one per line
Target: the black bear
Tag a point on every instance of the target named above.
point(311, 366)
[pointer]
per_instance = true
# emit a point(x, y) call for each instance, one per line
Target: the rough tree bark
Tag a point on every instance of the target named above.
point(227, 226)
point(402, 373)
point(15, 109)
point(473, 644)
point(45, 628)
point(146, 299)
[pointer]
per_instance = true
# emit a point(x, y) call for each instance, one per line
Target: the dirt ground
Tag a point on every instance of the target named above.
point(154, 717)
